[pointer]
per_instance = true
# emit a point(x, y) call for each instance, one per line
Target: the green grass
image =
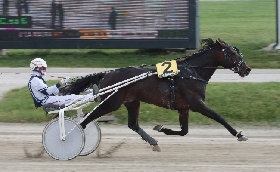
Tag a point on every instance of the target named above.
point(246, 103)
point(245, 23)
point(249, 25)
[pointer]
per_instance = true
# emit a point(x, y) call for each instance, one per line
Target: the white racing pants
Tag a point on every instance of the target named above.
point(61, 100)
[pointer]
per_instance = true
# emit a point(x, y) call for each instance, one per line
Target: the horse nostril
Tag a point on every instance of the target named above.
point(248, 69)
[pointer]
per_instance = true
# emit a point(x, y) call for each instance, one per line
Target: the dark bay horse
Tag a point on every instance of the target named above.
point(182, 92)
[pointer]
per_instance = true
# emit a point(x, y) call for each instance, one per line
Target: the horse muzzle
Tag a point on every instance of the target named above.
point(248, 70)
point(244, 71)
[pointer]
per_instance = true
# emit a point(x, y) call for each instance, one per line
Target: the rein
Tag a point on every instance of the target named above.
point(206, 67)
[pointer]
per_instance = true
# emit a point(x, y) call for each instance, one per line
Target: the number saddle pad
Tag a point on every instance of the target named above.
point(167, 68)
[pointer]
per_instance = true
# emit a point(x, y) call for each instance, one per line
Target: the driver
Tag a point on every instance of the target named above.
point(43, 94)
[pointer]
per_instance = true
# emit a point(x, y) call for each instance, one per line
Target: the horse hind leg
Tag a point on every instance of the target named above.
point(133, 113)
point(112, 104)
point(183, 119)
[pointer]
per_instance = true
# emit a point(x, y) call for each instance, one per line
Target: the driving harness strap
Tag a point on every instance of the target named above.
point(196, 77)
point(172, 91)
point(172, 95)
point(172, 83)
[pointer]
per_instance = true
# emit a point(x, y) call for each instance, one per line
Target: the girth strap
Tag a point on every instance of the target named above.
point(172, 95)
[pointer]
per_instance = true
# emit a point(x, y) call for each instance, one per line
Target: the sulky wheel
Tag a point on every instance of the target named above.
point(63, 149)
point(92, 137)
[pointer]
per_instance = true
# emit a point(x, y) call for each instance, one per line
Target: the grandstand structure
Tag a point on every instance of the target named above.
point(89, 14)
point(85, 21)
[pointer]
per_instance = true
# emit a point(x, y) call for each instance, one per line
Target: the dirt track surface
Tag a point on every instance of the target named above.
point(203, 149)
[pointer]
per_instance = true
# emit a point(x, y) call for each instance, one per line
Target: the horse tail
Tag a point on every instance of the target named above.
point(79, 84)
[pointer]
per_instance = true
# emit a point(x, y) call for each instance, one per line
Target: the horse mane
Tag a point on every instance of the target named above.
point(206, 45)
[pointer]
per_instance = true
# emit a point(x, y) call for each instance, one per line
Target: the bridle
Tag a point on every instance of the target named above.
point(237, 64)
point(227, 56)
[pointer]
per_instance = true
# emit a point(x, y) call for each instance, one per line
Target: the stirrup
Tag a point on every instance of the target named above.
point(52, 107)
point(95, 91)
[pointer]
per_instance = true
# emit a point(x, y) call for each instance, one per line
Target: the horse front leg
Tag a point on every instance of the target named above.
point(201, 107)
point(184, 124)
point(133, 113)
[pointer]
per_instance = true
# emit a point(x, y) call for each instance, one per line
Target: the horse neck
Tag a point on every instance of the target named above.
point(205, 63)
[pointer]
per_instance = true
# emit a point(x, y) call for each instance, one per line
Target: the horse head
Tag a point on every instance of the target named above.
point(233, 59)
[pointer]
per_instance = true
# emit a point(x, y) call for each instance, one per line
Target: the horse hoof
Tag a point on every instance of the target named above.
point(242, 138)
point(156, 148)
point(158, 128)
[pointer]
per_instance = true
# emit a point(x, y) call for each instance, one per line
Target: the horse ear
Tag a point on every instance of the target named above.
point(221, 43)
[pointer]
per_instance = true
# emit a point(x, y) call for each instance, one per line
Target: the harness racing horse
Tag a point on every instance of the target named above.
point(182, 92)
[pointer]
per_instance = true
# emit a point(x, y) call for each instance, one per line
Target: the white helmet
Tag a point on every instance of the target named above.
point(37, 63)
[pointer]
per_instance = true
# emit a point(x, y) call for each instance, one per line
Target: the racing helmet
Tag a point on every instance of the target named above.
point(37, 63)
